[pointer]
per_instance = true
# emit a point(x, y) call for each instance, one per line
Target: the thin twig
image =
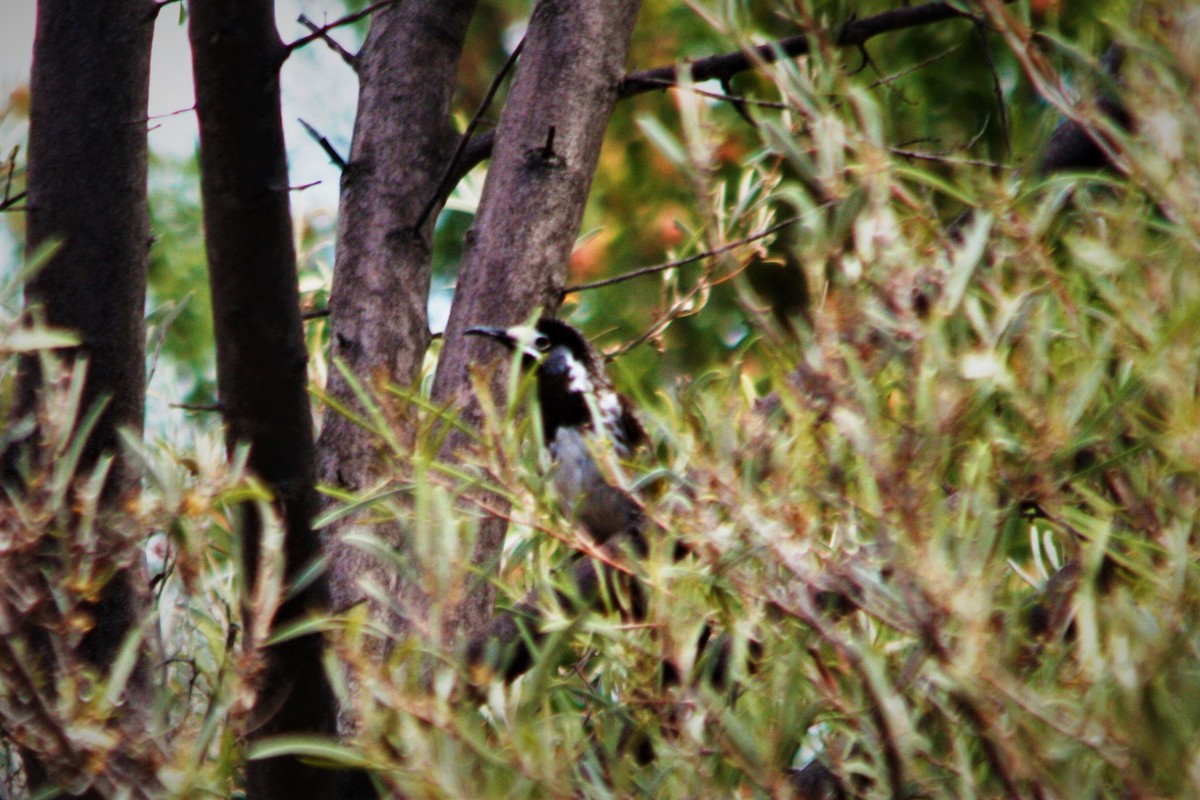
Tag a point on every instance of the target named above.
point(190, 108)
point(320, 32)
point(217, 407)
point(445, 182)
point(981, 32)
point(637, 273)
point(29, 698)
point(943, 159)
point(945, 156)
point(9, 202)
point(12, 168)
point(350, 59)
point(315, 314)
point(329, 149)
point(729, 98)
point(915, 67)
point(660, 325)
point(738, 103)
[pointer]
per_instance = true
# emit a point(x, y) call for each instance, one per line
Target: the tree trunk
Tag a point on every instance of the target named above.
point(546, 150)
point(87, 190)
point(403, 138)
point(261, 355)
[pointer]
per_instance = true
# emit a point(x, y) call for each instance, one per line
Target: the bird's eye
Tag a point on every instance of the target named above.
point(542, 343)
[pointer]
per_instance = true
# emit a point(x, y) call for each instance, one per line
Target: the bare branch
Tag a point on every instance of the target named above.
point(946, 159)
point(651, 270)
point(350, 59)
point(720, 67)
point(8, 203)
point(206, 407)
point(320, 32)
point(729, 98)
point(981, 32)
point(12, 169)
point(854, 33)
point(329, 149)
point(175, 113)
point(915, 67)
point(450, 177)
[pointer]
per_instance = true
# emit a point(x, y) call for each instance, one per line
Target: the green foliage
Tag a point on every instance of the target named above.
point(937, 511)
point(162, 712)
point(942, 519)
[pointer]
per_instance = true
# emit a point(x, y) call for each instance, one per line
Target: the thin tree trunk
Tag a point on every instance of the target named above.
point(547, 147)
point(87, 191)
point(403, 138)
point(261, 355)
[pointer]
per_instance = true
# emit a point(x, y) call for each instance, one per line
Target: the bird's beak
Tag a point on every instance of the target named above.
point(501, 335)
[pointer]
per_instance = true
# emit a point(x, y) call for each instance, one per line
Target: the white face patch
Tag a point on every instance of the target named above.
point(524, 338)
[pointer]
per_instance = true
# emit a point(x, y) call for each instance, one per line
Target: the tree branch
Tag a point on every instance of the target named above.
point(350, 59)
point(329, 149)
point(997, 91)
point(443, 187)
point(12, 170)
point(727, 96)
point(854, 33)
point(319, 33)
point(721, 67)
point(637, 273)
point(9, 202)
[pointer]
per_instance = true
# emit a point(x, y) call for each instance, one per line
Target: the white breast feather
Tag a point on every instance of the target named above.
point(579, 380)
point(609, 405)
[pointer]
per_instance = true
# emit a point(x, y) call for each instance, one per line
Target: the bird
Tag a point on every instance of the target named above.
point(583, 418)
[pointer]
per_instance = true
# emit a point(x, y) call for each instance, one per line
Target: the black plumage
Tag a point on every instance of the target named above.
point(581, 415)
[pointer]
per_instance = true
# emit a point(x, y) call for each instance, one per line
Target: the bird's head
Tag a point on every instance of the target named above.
point(572, 385)
point(563, 358)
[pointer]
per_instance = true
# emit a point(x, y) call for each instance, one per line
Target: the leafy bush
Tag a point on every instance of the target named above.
point(931, 535)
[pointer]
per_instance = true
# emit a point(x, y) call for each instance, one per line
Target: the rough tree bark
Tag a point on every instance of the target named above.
point(261, 355)
point(403, 138)
point(87, 190)
point(547, 146)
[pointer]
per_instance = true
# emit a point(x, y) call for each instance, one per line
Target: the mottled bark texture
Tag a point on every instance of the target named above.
point(87, 190)
point(261, 356)
point(547, 145)
point(403, 137)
